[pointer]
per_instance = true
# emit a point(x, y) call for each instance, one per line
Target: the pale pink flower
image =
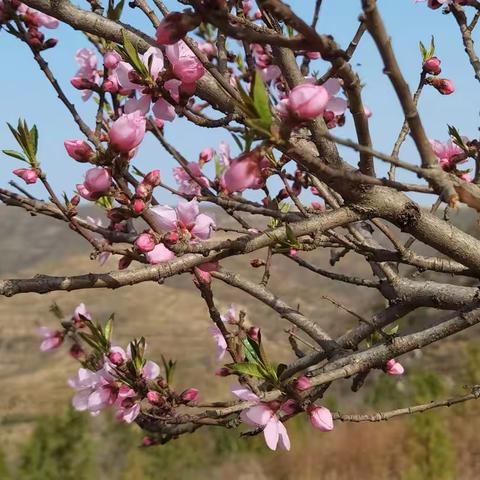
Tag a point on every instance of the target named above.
point(127, 404)
point(127, 132)
point(87, 60)
point(264, 415)
point(52, 339)
point(159, 254)
point(186, 218)
point(220, 341)
point(97, 182)
point(185, 64)
point(246, 171)
point(111, 59)
point(79, 150)
point(187, 184)
point(80, 313)
point(306, 101)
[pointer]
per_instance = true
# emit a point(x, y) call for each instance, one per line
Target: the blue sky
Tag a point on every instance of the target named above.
point(27, 94)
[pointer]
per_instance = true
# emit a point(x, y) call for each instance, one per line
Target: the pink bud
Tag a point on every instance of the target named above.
point(75, 200)
point(127, 132)
point(307, 101)
point(289, 407)
point(154, 397)
point(138, 206)
point(124, 262)
point(153, 178)
point(303, 383)
point(432, 66)
point(81, 83)
point(111, 59)
point(98, 180)
point(79, 150)
point(190, 395)
point(223, 372)
point(29, 176)
point(394, 368)
point(77, 352)
point(143, 190)
point(175, 26)
point(253, 333)
point(321, 418)
point(145, 243)
point(116, 358)
point(206, 155)
point(443, 85)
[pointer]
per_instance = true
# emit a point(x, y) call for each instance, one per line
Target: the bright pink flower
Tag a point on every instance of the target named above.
point(52, 339)
point(321, 418)
point(138, 206)
point(394, 368)
point(185, 64)
point(306, 101)
point(111, 59)
point(448, 154)
point(303, 383)
point(246, 171)
point(127, 132)
point(145, 243)
point(159, 254)
point(28, 175)
point(185, 218)
point(79, 150)
point(190, 395)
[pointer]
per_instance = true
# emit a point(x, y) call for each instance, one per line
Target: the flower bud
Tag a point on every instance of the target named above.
point(124, 262)
point(223, 372)
point(394, 368)
point(303, 383)
point(143, 190)
point(257, 262)
point(175, 26)
point(432, 66)
point(79, 150)
point(98, 180)
point(75, 200)
point(443, 85)
point(190, 395)
point(81, 83)
point(253, 333)
point(116, 358)
point(29, 176)
point(153, 178)
point(321, 418)
point(145, 243)
point(138, 206)
point(155, 398)
point(111, 59)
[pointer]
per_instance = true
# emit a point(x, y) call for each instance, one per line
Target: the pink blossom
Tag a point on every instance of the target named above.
point(306, 101)
point(52, 339)
point(321, 418)
point(145, 243)
point(127, 132)
point(206, 155)
point(87, 60)
point(28, 175)
point(263, 415)
point(159, 254)
point(127, 404)
point(79, 150)
point(80, 314)
point(185, 64)
point(394, 368)
point(85, 384)
point(246, 171)
point(97, 182)
point(185, 218)
point(187, 184)
point(448, 154)
point(220, 341)
point(111, 59)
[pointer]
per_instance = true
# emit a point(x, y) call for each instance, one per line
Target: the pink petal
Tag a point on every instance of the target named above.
point(271, 433)
point(332, 85)
point(142, 104)
point(151, 370)
point(165, 217)
point(244, 394)
point(187, 211)
point(259, 414)
point(163, 110)
point(203, 226)
point(160, 254)
point(283, 438)
point(336, 105)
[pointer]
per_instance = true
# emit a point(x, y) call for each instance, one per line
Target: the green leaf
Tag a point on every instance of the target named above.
point(251, 353)
point(88, 339)
point(34, 138)
point(15, 154)
point(457, 138)
point(431, 50)
point(290, 235)
point(108, 330)
point(250, 369)
point(132, 56)
point(114, 13)
point(423, 52)
point(261, 101)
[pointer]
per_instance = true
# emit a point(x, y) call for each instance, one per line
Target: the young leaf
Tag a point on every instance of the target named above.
point(250, 369)
point(15, 154)
point(261, 102)
point(109, 328)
